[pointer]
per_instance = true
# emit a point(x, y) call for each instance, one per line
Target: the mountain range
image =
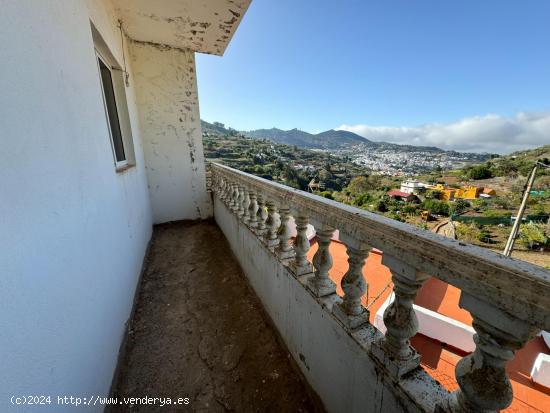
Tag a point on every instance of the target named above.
point(324, 140)
point(330, 139)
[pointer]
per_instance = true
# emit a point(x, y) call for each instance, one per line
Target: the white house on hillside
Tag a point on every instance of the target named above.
point(412, 187)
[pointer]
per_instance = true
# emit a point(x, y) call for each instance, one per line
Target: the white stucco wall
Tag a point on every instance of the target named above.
point(171, 132)
point(73, 232)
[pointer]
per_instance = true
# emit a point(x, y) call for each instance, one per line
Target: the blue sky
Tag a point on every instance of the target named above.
point(389, 70)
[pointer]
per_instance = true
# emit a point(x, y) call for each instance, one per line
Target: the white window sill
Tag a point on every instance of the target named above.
point(123, 168)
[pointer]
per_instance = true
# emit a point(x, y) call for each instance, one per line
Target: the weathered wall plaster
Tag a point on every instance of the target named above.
point(202, 26)
point(73, 231)
point(168, 104)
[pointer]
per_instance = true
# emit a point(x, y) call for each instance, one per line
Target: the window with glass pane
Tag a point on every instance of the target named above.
point(111, 109)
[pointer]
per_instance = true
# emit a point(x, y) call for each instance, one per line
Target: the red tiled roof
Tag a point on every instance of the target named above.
point(438, 359)
point(396, 192)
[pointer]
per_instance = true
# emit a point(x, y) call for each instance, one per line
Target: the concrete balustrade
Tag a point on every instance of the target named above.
point(509, 300)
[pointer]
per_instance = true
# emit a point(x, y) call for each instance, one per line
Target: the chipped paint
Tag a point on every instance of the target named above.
point(205, 27)
point(166, 91)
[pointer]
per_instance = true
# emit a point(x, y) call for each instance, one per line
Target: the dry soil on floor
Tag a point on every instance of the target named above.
point(200, 332)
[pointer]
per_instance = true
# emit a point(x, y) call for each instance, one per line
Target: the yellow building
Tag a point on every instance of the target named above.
point(447, 194)
point(450, 194)
point(438, 187)
point(468, 192)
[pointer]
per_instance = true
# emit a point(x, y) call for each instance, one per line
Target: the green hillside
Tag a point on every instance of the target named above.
point(520, 162)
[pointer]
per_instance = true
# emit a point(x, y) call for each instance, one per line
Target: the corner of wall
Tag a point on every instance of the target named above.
point(168, 106)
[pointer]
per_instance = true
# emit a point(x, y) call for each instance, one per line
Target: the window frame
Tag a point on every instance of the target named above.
point(123, 164)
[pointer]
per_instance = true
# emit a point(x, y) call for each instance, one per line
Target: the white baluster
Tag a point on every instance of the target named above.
point(261, 216)
point(321, 284)
point(484, 384)
point(235, 198)
point(272, 223)
point(241, 202)
point(350, 311)
point(246, 205)
point(394, 350)
point(301, 265)
point(252, 210)
point(284, 250)
point(228, 193)
point(224, 190)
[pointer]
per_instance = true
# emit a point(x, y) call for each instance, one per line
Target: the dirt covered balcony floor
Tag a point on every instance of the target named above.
point(200, 332)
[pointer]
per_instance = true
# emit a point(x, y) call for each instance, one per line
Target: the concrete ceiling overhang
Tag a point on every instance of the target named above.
point(204, 26)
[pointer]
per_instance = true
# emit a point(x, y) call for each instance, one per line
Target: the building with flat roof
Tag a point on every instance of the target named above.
point(413, 187)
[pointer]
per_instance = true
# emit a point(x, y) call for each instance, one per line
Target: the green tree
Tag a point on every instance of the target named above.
point(433, 194)
point(505, 167)
point(410, 209)
point(361, 184)
point(479, 172)
point(435, 206)
point(382, 205)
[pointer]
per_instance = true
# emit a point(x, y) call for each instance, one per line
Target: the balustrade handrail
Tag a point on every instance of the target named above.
point(516, 287)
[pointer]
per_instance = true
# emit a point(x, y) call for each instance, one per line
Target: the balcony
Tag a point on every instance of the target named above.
point(199, 328)
point(349, 363)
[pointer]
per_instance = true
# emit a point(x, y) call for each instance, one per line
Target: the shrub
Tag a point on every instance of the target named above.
point(539, 209)
point(326, 194)
point(479, 172)
point(436, 206)
point(362, 199)
point(461, 205)
point(484, 236)
point(532, 235)
point(480, 204)
point(410, 209)
point(491, 213)
point(433, 194)
point(382, 205)
point(468, 233)
point(394, 215)
point(501, 202)
point(361, 184)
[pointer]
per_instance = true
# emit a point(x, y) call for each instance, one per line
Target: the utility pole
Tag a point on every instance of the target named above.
point(519, 217)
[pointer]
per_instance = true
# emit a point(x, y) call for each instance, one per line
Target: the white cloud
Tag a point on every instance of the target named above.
point(489, 133)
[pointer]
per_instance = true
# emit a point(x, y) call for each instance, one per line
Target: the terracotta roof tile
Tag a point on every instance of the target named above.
point(438, 359)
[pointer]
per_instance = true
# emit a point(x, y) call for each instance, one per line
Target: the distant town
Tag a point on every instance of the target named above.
point(393, 161)
point(478, 194)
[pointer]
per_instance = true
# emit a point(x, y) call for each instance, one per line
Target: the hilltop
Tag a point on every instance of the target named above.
point(330, 139)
